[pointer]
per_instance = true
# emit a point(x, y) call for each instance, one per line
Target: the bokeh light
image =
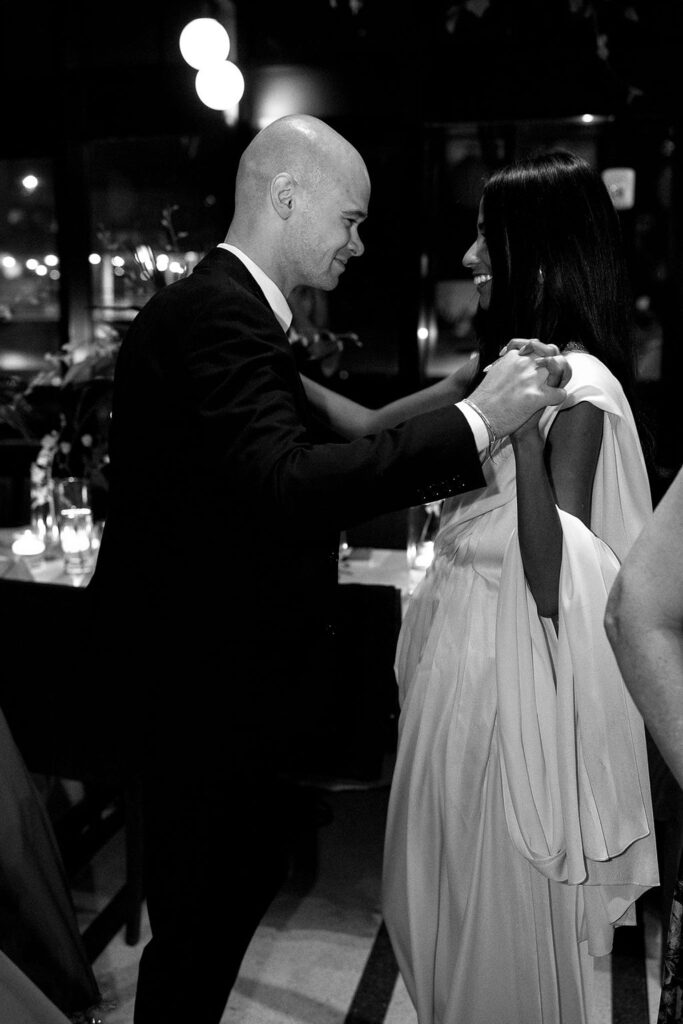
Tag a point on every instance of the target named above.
point(203, 42)
point(220, 86)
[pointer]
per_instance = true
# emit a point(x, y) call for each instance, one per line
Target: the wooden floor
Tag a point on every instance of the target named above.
point(322, 956)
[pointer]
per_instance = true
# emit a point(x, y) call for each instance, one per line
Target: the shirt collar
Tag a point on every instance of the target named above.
point(276, 299)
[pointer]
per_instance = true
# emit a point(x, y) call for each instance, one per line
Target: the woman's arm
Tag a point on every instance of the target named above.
point(644, 624)
point(350, 419)
point(559, 475)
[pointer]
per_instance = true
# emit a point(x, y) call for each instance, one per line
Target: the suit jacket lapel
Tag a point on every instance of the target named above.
point(222, 261)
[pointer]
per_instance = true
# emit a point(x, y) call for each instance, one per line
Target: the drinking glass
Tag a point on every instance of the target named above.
point(423, 526)
point(74, 519)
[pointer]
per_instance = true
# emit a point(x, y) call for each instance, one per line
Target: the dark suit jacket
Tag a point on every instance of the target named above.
point(219, 553)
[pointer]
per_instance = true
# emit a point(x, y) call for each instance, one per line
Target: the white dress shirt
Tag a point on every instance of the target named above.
point(477, 426)
point(276, 300)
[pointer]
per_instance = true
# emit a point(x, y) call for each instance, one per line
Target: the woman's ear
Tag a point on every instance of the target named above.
point(282, 194)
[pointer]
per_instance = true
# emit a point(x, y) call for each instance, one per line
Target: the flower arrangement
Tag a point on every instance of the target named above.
point(66, 407)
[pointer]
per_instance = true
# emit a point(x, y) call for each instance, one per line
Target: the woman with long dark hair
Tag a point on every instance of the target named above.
point(520, 827)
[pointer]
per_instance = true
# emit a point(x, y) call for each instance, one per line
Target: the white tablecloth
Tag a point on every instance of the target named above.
point(383, 566)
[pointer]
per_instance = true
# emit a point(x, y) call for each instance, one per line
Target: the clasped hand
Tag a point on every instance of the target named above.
point(558, 373)
point(546, 356)
point(527, 376)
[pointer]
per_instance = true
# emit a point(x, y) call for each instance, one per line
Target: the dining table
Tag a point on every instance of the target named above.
point(46, 568)
point(388, 567)
point(362, 565)
point(375, 585)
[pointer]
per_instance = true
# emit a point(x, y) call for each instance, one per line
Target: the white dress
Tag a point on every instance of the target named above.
point(520, 826)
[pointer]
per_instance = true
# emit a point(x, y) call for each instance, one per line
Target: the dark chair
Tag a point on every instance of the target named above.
point(49, 695)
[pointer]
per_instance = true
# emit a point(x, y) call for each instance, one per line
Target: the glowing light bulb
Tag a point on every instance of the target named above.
point(203, 42)
point(220, 86)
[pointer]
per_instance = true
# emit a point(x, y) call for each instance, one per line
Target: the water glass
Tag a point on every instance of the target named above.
point(75, 522)
point(423, 526)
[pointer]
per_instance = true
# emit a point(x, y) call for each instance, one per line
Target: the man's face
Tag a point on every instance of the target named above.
point(328, 223)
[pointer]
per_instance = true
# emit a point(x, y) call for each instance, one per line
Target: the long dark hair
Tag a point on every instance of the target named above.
point(552, 215)
point(558, 265)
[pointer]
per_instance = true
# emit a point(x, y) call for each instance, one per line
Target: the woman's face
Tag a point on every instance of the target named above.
point(477, 261)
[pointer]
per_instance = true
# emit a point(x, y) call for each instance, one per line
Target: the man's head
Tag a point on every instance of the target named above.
point(301, 193)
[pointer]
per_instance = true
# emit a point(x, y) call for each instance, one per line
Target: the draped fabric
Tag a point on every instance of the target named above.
point(520, 827)
point(21, 1002)
point(38, 928)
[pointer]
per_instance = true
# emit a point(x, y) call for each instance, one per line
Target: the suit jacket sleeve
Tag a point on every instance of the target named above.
point(239, 381)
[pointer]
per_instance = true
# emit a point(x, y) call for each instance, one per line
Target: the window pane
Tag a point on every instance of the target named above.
point(29, 265)
point(155, 211)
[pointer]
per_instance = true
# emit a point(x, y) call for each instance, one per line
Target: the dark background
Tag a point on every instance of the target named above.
point(89, 83)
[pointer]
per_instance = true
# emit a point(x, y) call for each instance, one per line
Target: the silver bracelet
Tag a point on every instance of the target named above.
point(489, 428)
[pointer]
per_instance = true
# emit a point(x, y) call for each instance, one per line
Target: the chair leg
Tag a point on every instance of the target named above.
point(134, 861)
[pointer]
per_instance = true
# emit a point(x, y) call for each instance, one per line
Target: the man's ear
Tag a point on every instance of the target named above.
point(282, 194)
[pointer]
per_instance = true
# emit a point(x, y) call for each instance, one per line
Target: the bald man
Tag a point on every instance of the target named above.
point(218, 564)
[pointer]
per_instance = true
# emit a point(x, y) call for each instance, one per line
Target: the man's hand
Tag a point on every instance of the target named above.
point(559, 370)
point(526, 378)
